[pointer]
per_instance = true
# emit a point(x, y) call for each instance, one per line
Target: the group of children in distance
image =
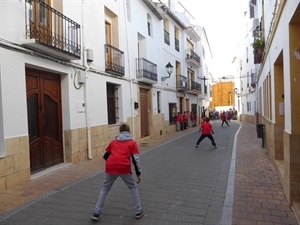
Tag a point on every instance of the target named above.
point(184, 120)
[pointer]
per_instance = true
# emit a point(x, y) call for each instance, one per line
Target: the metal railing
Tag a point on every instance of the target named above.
point(195, 86)
point(114, 60)
point(51, 28)
point(182, 82)
point(146, 69)
point(192, 55)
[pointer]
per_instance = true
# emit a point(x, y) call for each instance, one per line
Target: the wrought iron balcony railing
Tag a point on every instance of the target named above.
point(114, 60)
point(195, 86)
point(182, 83)
point(52, 32)
point(193, 57)
point(146, 71)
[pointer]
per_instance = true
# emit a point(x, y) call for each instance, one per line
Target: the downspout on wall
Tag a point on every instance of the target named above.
point(129, 71)
point(87, 68)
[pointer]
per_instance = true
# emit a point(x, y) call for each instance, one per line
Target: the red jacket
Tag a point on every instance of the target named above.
point(206, 128)
point(223, 116)
point(118, 156)
point(179, 118)
point(184, 118)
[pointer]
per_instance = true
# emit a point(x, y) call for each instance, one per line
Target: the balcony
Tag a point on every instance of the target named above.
point(193, 34)
point(50, 32)
point(181, 83)
point(192, 58)
point(194, 88)
point(146, 71)
point(114, 60)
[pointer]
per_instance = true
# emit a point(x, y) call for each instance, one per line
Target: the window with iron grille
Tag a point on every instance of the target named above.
point(112, 103)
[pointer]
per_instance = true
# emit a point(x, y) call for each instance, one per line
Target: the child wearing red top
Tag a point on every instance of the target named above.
point(118, 155)
point(207, 131)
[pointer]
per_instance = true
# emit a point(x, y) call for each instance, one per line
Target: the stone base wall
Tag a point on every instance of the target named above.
point(247, 118)
point(283, 149)
point(76, 142)
point(161, 126)
point(15, 166)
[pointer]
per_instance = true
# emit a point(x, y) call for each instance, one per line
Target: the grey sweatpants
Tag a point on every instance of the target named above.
point(109, 180)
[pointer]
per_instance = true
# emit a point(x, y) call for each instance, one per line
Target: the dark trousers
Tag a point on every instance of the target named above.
point(204, 136)
point(223, 123)
point(181, 126)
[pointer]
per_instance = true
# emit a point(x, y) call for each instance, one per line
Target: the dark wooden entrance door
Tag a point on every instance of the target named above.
point(44, 119)
point(144, 112)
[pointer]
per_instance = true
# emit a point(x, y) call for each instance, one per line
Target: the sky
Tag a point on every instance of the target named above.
point(222, 21)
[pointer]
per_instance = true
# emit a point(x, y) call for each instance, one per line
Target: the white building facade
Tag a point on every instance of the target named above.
point(71, 72)
point(248, 64)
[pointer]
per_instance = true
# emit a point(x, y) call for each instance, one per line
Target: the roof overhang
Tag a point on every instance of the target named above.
point(153, 8)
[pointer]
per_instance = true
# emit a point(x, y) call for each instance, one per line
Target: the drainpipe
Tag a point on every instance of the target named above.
point(87, 68)
point(129, 71)
point(87, 117)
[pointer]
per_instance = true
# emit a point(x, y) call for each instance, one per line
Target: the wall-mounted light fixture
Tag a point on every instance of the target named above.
point(169, 69)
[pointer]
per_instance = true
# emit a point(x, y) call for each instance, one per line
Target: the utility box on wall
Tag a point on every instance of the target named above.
point(89, 55)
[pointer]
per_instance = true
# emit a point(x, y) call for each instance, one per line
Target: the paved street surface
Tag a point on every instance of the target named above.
point(233, 185)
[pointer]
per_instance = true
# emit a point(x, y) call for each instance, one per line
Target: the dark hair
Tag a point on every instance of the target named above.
point(207, 119)
point(124, 127)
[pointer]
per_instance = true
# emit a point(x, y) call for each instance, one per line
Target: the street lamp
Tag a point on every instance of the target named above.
point(169, 69)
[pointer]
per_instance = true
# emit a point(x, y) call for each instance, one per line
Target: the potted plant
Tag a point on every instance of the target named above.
point(258, 45)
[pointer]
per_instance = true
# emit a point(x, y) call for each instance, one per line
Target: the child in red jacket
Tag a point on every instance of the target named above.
point(207, 131)
point(118, 156)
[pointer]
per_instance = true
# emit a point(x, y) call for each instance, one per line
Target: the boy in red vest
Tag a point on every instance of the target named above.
point(207, 131)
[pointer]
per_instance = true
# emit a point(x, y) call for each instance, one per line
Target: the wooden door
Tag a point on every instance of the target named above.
point(187, 105)
point(144, 112)
point(40, 21)
point(44, 119)
point(108, 41)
